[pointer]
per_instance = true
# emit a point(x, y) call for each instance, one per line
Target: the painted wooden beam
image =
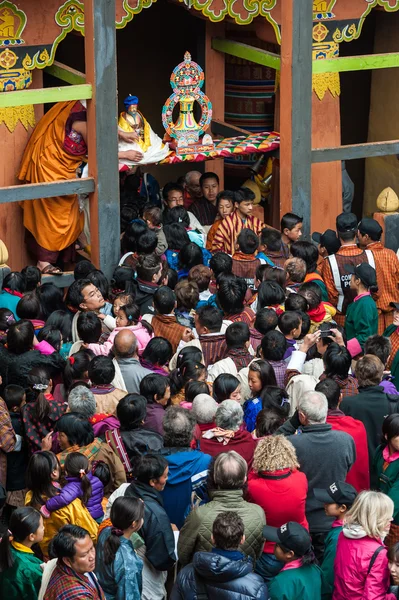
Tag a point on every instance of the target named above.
point(356, 63)
point(66, 73)
point(40, 96)
point(255, 55)
point(32, 191)
point(354, 151)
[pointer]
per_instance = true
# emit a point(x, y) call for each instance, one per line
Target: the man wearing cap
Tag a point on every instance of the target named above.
point(387, 266)
point(300, 577)
point(361, 316)
point(328, 243)
point(336, 278)
point(393, 333)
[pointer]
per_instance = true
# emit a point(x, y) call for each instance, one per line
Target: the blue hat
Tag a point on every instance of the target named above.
point(130, 100)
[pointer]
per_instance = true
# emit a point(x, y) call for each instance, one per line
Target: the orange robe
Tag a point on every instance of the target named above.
point(56, 222)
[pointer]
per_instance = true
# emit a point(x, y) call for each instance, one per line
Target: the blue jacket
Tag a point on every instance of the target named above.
point(73, 490)
point(188, 472)
point(9, 301)
point(223, 577)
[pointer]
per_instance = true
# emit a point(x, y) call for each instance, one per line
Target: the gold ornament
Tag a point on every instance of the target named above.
point(8, 58)
point(12, 115)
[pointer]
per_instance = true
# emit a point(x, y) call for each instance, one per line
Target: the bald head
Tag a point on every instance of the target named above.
point(125, 344)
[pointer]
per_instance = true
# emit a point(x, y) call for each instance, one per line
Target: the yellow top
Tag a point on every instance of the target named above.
point(124, 124)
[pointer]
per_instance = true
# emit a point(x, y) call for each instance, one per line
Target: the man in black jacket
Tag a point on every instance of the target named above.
point(149, 271)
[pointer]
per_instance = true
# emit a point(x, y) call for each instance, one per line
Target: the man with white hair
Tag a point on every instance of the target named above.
point(81, 400)
point(325, 455)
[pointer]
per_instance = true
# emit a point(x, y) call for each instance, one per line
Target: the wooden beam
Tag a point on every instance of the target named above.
point(255, 55)
point(226, 129)
point(356, 63)
point(32, 191)
point(43, 95)
point(355, 151)
point(215, 85)
point(66, 73)
point(102, 123)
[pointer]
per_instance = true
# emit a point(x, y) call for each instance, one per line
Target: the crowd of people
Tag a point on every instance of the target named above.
point(219, 419)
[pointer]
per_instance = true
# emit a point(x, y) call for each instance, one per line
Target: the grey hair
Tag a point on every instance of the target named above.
point(230, 471)
point(204, 408)
point(229, 415)
point(178, 426)
point(314, 406)
point(129, 352)
point(82, 401)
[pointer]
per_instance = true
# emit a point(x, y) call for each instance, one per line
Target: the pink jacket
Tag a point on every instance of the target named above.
point(351, 566)
point(141, 333)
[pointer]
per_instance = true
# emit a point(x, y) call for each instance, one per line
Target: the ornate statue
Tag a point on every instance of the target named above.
point(143, 138)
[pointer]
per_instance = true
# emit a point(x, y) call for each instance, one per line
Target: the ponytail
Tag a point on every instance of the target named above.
point(124, 512)
point(39, 380)
point(111, 545)
point(86, 487)
point(77, 465)
point(23, 522)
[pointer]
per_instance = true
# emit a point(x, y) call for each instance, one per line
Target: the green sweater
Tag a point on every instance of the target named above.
point(327, 566)
point(388, 480)
point(22, 581)
point(303, 583)
point(361, 319)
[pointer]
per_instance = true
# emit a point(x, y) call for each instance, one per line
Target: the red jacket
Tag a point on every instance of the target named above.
point(359, 474)
point(242, 442)
point(282, 495)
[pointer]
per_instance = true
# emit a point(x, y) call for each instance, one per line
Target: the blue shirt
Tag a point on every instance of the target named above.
point(251, 409)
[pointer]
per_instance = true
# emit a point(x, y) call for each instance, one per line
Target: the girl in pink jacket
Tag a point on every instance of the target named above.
point(128, 317)
point(361, 564)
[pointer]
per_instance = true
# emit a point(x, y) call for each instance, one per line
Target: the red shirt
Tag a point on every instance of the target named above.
point(242, 442)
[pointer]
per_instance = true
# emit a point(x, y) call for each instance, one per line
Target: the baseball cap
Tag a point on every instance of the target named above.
point(364, 272)
point(291, 535)
point(370, 227)
point(338, 492)
point(395, 305)
point(346, 222)
point(328, 239)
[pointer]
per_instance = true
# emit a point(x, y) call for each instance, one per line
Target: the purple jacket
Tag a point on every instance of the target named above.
point(73, 490)
point(106, 424)
point(154, 418)
point(389, 387)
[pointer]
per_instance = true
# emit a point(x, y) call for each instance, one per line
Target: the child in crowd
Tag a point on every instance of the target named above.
point(226, 387)
point(118, 568)
point(6, 319)
point(101, 373)
point(361, 315)
point(295, 270)
point(318, 311)
point(201, 275)
point(273, 349)
point(290, 325)
point(291, 228)
point(220, 263)
point(300, 577)
point(152, 215)
point(190, 256)
point(188, 370)
point(260, 375)
point(17, 461)
point(80, 483)
point(225, 207)
point(271, 248)
point(164, 322)
point(156, 390)
point(187, 297)
point(296, 302)
point(245, 261)
point(270, 295)
point(337, 499)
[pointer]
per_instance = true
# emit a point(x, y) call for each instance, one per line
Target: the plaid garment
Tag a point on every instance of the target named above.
point(36, 430)
point(90, 451)
point(387, 268)
point(245, 265)
point(7, 440)
point(279, 258)
point(166, 326)
point(240, 357)
point(394, 337)
point(246, 316)
point(66, 584)
point(213, 348)
point(279, 368)
point(205, 211)
point(349, 386)
point(226, 235)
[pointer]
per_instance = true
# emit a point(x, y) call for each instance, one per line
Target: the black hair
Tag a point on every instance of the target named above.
point(296, 302)
point(337, 361)
point(226, 195)
point(248, 241)
point(266, 320)
point(76, 366)
point(273, 273)
point(331, 390)
point(208, 175)
point(147, 266)
point(178, 214)
point(20, 337)
point(101, 370)
point(268, 422)
point(147, 242)
point(38, 381)
point(164, 300)
point(101, 470)
point(270, 293)
point(153, 386)
point(51, 298)
point(82, 269)
point(62, 320)
point(231, 294)
point(63, 543)
point(223, 386)
point(176, 236)
point(379, 346)
point(132, 314)
point(306, 323)
point(210, 317)
point(274, 345)
point(77, 429)
point(33, 277)
point(308, 252)
point(75, 463)
point(123, 278)
point(15, 282)
point(13, 395)
point(173, 278)
point(190, 255)
point(89, 327)
point(277, 399)
point(265, 371)
point(24, 521)
point(124, 512)
point(74, 297)
point(271, 238)
point(38, 477)
point(187, 371)
point(312, 293)
point(194, 388)
point(99, 280)
point(131, 411)
point(133, 231)
point(188, 353)
point(221, 263)
point(158, 351)
point(237, 335)
point(51, 335)
point(288, 321)
point(244, 194)
point(289, 221)
point(171, 187)
point(29, 307)
point(150, 466)
point(390, 428)
point(6, 319)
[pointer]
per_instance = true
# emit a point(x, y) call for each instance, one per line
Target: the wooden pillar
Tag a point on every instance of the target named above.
point(296, 108)
point(215, 85)
point(100, 55)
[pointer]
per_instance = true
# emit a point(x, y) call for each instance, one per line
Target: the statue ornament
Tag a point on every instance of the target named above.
point(186, 81)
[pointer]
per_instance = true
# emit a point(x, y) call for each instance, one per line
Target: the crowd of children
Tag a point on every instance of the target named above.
point(220, 419)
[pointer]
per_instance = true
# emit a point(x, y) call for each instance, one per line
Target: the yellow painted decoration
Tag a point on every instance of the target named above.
point(12, 115)
point(8, 58)
point(323, 82)
point(12, 23)
point(320, 32)
point(38, 61)
point(14, 79)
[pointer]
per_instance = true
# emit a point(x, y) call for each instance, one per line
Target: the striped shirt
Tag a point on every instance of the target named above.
point(226, 235)
point(387, 267)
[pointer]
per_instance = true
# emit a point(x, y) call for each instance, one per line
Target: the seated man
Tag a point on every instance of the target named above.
point(83, 296)
point(149, 272)
point(173, 195)
point(204, 209)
